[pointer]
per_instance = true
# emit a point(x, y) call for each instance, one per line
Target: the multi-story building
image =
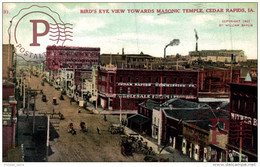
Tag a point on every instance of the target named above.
point(67, 57)
point(8, 60)
point(214, 83)
point(130, 87)
point(9, 115)
point(218, 55)
point(9, 102)
point(139, 61)
point(243, 122)
point(67, 81)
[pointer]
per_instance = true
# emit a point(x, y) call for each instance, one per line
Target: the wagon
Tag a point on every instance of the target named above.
point(115, 129)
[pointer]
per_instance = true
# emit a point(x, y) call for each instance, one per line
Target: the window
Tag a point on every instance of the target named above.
point(174, 80)
point(181, 80)
point(120, 79)
point(164, 79)
point(136, 90)
point(110, 89)
point(181, 90)
point(128, 90)
point(128, 102)
point(164, 90)
point(120, 90)
point(128, 79)
point(196, 151)
point(68, 76)
point(111, 78)
point(110, 103)
point(149, 79)
point(183, 145)
point(190, 91)
point(148, 90)
point(136, 79)
point(156, 90)
point(157, 79)
point(137, 101)
point(154, 120)
point(191, 81)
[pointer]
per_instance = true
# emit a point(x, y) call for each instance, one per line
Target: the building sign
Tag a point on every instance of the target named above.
point(247, 120)
point(150, 96)
point(7, 115)
point(156, 84)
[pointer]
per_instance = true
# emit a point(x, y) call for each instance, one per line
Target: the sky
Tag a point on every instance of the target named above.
point(136, 32)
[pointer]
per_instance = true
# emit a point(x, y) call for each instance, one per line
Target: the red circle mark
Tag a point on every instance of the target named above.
point(31, 13)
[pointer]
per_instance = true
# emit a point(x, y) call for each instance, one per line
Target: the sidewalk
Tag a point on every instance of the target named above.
point(168, 151)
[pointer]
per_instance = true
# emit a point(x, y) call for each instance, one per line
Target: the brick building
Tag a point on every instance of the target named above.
point(9, 116)
point(71, 57)
point(68, 57)
point(243, 122)
point(8, 60)
point(134, 86)
point(214, 83)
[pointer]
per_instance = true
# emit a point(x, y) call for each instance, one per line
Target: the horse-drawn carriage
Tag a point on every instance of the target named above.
point(115, 129)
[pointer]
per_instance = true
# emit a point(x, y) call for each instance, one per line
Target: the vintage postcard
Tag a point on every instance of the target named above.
point(130, 82)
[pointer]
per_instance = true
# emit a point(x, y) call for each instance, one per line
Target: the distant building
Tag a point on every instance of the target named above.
point(134, 86)
point(137, 61)
point(218, 55)
point(243, 122)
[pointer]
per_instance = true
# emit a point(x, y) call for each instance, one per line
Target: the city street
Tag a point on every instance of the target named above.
point(82, 147)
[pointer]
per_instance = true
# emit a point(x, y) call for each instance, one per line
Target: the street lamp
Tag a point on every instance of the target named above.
point(173, 42)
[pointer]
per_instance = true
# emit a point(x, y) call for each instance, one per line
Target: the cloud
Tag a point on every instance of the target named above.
point(89, 24)
point(160, 21)
point(64, 9)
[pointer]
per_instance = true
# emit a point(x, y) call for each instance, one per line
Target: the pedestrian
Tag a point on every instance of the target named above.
point(98, 131)
point(105, 117)
point(79, 111)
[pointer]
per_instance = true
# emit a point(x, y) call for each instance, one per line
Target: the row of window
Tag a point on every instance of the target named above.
point(151, 79)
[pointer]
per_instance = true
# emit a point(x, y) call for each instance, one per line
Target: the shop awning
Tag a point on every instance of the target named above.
point(139, 119)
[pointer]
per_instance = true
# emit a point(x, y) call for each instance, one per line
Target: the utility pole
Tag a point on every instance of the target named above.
point(28, 105)
point(34, 113)
point(240, 141)
point(120, 118)
point(47, 139)
point(23, 94)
